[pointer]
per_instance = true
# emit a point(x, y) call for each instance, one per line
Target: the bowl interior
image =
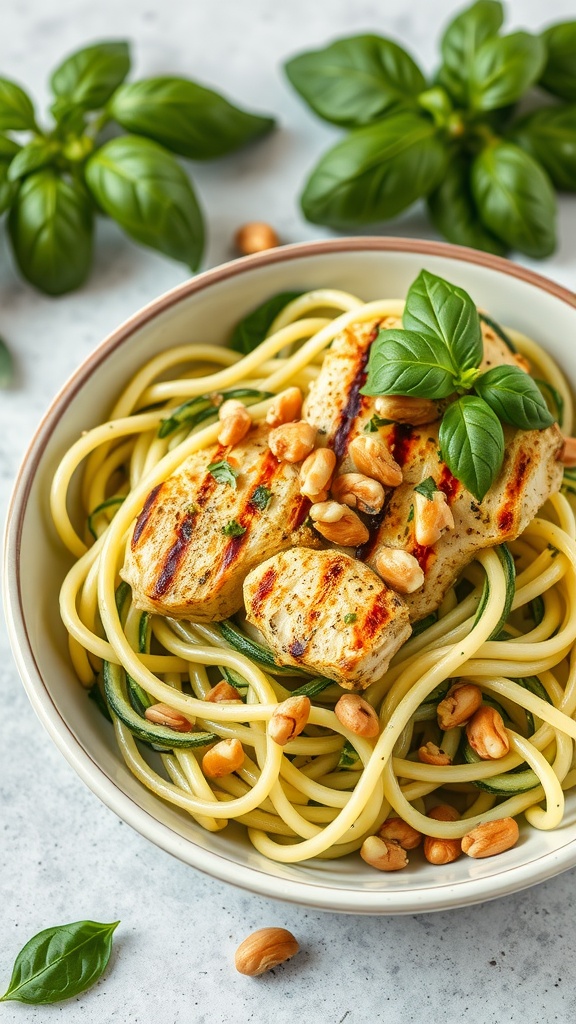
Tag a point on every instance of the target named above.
point(205, 310)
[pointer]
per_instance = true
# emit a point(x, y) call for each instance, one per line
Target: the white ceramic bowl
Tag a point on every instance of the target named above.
point(205, 308)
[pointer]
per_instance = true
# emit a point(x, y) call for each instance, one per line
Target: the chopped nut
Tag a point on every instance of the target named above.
point(235, 423)
point(491, 837)
point(432, 754)
point(229, 407)
point(256, 236)
point(405, 409)
point(289, 719)
point(567, 454)
point(384, 855)
point(263, 950)
point(401, 832)
point(399, 569)
point(458, 706)
point(223, 693)
point(292, 442)
point(223, 759)
point(316, 473)
point(338, 524)
point(357, 715)
point(163, 714)
point(487, 734)
point(359, 491)
point(285, 408)
point(372, 456)
point(431, 517)
point(442, 851)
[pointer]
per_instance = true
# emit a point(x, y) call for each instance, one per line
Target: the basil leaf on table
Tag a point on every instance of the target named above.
point(354, 81)
point(472, 443)
point(186, 118)
point(504, 68)
point(38, 153)
point(515, 397)
point(559, 75)
point(16, 110)
point(60, 962)
point(50, 229)
point(8, 189)
point(140, 185)
point(6, 365)
point(461, 41)
point(440, 309)
point(88, 77)
point(252, 330)
point(549, 135)
point(375, 172)
point(406, 363)
point(453, 211)
point(515, 198)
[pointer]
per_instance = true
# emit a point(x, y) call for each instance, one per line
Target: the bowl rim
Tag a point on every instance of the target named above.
point(218, 865)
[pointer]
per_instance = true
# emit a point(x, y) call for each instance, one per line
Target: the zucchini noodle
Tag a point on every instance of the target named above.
point(327, 790)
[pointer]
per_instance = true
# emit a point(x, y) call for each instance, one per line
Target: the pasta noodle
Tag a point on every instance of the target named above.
point(328, 789)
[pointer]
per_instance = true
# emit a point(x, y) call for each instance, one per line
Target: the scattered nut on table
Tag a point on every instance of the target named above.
point(256, 236)
point(263, 950)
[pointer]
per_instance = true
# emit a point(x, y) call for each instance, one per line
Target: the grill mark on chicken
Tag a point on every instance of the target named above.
point(401, 442)
point(513, 489)
point(175, 554)
point(353, 401)
point(448, 484)
point(265, 587)
point(145, 514)
point(299, 511)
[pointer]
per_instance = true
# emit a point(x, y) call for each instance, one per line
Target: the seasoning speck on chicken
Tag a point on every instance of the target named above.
point(299, 601)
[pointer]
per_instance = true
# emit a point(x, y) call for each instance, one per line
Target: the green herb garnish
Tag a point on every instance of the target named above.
point(349, 757)
point(437, 355)
point(350, 617)
point(460, 140)
point(427, 488)
point(224, 473)
point(60, 962)
point(375, 423)
point(411, 514)
point(233, 529)
point(261, 497)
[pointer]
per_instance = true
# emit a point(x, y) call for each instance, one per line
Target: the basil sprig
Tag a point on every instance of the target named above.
point(437, 355)
point(487, 174)
point(63, 174)
point(60, 962)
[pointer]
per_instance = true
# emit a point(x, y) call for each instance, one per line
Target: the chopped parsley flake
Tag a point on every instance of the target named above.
point(261, 497)
point(350, 618)
point(427, 488)
point(224, 473)
point(372, 426)
point(411, 514)
point(349, 757)
point(233, 529)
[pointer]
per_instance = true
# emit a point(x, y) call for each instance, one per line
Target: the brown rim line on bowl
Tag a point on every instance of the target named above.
point(83, 743)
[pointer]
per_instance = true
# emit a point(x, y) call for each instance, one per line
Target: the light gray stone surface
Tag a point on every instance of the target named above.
point(65, 856)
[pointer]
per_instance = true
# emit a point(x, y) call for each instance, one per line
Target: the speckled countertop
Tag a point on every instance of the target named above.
point(64, 855)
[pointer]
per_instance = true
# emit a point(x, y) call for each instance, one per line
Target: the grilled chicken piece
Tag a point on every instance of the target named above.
point(529, 475)
point(327, 612)
point(196, 538)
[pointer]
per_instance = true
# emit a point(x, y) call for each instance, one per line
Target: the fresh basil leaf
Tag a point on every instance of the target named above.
point(559, 75)
point(354, 81)
point(8, 189)
point(551, 396)
point(233, 529)
point(472, 443)
point(515, 198)
point(6, 365)
point(252, 329)
point(438, 103)
point(88, 77)
point(375, 172)
point(144, 189)
point(406, 363)
point(549, 135)
point(185, 117)
point(51, 226)
point(261, 497)
point(38, 153)
point(8, 148)
point(461, 41)
point(504, 68)
point(515, 398)
point(60, 962)
point(427, 488)
point(224, 473)
point(16, 110)
point(453, 211)
point(446, 313)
